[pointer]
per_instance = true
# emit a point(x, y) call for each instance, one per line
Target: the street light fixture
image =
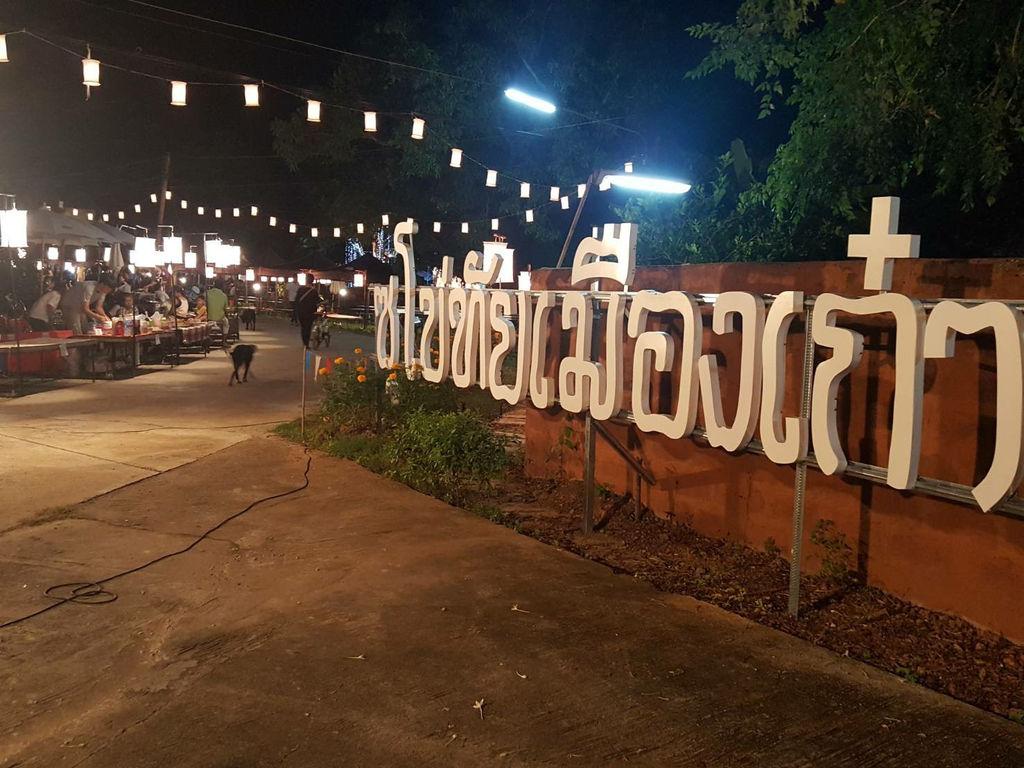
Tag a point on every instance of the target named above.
point(647, 184)
point(533, 102)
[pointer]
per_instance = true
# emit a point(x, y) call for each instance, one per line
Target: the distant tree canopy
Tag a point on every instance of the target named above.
point(916, 98)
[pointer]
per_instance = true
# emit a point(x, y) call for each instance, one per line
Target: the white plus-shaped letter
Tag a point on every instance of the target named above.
point(883, 245)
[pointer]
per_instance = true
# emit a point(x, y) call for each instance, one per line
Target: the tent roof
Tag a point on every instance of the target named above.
point(52, 228)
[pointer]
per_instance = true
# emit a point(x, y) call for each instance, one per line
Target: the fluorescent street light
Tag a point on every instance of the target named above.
point(531, 101)
point(647, 184)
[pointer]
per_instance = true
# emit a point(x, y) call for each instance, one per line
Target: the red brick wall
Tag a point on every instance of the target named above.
point(945, 556)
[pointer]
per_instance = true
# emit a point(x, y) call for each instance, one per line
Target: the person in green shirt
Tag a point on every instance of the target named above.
point(217, 305)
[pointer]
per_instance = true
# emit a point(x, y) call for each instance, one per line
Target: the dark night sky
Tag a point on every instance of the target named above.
point(107, 152)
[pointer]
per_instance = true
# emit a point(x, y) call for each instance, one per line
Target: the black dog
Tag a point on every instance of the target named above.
point(248, 315)
point(241, 356)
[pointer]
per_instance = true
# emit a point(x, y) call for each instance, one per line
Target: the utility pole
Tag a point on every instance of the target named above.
point(162, 201)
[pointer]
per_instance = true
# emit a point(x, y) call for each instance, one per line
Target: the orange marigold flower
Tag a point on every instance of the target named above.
point(392, 376)
point(339, 361)
point(323, 371)
point(358, 351)
point(360, 378)
point(360, 369)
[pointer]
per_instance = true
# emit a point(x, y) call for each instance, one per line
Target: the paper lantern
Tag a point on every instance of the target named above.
point(91, 72)
point(314, 232)
point(529, 215)
point(107, 253)
point(89, 216)
point(252, 94)
point(628, 167)
point(370, 122)
point(236, 212)
point(263, 279)
point(494, 224)
point(256, 287)
point(69, 267)
point(418, 124)
point(253, 210)
point(300, 278)
point(179, 93)
point(360, 228)
point(524, 281)
point(456, 161)
point(292, 228)
point(273, 221)
point(359, 279)
point(217, 213)
point(74, 211)
point(200, 210)
point(152, 198)
point(53, 253)
point(3, 49)
point(80, 255)
point(524, 189)
point(173, 250)
point(39, 265)
point(144, 252)
point(554, 195)
point(191, 260)
point(313, 111)
point(581, 190)
point(565, 202)
point(596, 233)
point(492, 178)
point(168, 194)
point(120, 215)
point(385, 219)
point(184, 205)
point(437, 226)
point(208, 271)
point(337, 231)
point(465, 227)
point(138, 208)
point(106, 217)
point(250, 275)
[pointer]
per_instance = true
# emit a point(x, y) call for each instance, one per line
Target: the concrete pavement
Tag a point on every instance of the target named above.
point(359, 623)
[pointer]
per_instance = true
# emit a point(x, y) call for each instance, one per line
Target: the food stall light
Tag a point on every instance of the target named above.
point(107, 254)
point(182, 280)
point(80, 255)
point(263, 278)
point(252, 94)
point(256, 287)
point(313, 111)
point(343, 291)
point(53, 253)
point(69, 267)
point(91, 72)
point(191, 260)
point(250, 275)
point(301, 278)
point(208, 271)
point(179, 93)
point(359, 279)
point(13, 228)
point(456, 161)
point(370, 122)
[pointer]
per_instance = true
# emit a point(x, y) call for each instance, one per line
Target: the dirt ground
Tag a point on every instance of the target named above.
point(923, 647)
point(358, 623)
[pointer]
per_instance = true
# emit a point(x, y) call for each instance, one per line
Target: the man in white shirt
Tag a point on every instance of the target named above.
point(82, 304)
point(293, 292)
point(40, 316)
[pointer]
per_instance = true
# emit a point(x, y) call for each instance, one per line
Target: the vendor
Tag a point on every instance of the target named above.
point(201, 309)
point(124, 305)
point(82, 304)
point(181, 312)
point(41, 315)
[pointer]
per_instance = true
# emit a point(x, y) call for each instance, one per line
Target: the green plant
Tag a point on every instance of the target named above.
point(452, 456)
point(834, 552)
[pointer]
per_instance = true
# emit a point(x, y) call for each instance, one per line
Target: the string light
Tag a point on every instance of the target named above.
point(251, 92)
point(456, 161)
point(90, 72)
point(418, 124)
point(184, 205)
point(120, 215)
point(179, 93)
point(106, 217)
point(80, 255)
point(53, 253)
point(492, 178)
point(370, 122)
point(524, 189)
point(217, 213)
point(74, 211)
point(89, 216)
point(313, 111)
point(168, 195)
point(628, 167)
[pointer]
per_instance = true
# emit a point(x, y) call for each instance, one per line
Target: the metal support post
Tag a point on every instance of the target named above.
point(800, 481)
point(589, 441)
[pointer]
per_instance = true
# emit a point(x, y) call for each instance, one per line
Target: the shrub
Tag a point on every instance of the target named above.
point(452, 455)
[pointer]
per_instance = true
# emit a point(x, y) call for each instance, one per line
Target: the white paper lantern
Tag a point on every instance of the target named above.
point(217, 213)
point(74, 211)
point(208, 271)
point(168, 194)
point(200, 210)
point(254, 211)
point(106, 217)
point(53, 253)
point(191, 260)
point(273, 221)
point(152, 198)
point(370, 122)
point(418, 125)
point(313, 111)
point(106, 254)
point(138, 208)
point(529, 215)
point(554, 195)
point(252, 94)
point(236, 212)
point(456, 161)
point(292, 228)
point(465, 227)
point(565, 202)
point(492, 178)
point(144, 252)
point(173, 250)
point(360, 228)
point(314, 232)
point(596, 233)
point(385, 219)
point(437, 226)
point(524, 189)
point(358, 279)
point(184, 205)
point(337, 231)
point(300, 278)
point(90, 216)
point(120, 215)
point(3, 49)
point(179, 93)
point(91, 72)
point(628, 167)
point(250, 275)
point(494, 224)
point(581, 190)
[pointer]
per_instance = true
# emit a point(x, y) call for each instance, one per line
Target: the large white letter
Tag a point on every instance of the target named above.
point(542, 388)
point(505, 305)
point(385, 307)
point(783, 446)
point(750, 308)
point(585, 383)
point(950, 318)
point(403, 247)
point(656, 349)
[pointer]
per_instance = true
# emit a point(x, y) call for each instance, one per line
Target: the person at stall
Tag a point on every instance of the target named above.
point(124, 305)
point(201, 315)
point(217, 305)
point(41, 315)
point(82, 304)
point(181, 311)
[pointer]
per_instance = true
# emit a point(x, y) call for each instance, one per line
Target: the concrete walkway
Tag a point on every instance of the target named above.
point(359, 623)
point(71, 443)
